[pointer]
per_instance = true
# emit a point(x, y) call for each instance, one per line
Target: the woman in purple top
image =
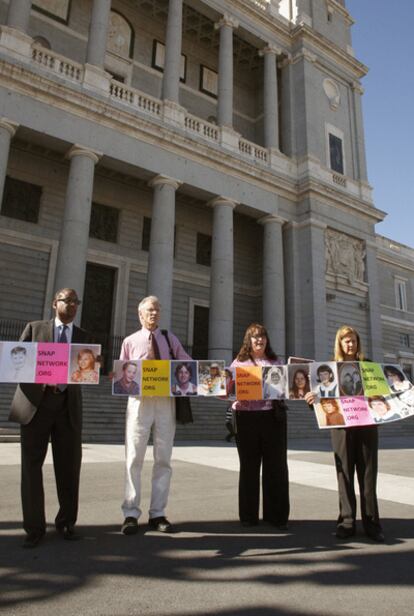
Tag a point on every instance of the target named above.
point(261, 441)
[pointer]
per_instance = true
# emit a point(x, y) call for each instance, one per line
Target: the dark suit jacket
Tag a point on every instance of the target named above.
point(28, 396)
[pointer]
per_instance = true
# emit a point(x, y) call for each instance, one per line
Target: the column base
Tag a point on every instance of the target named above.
point(173, 113)
point(95, 78)
point(229, 139)
point(16, 42)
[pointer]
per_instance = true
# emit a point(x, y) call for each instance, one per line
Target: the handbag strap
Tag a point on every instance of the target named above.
point(165, 334)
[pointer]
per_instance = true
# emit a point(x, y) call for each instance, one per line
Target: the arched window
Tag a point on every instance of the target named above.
point(120, 40)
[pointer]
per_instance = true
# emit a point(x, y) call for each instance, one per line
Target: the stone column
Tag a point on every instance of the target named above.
point(220, 343)
point(74, 239)
point(7, 131)
point(161, 251)
point(274, 283)
point(18, 14)
point(270, 97)
point(374, 315)
point(95, 76)
point(13, 35)
point(171, 79)
point(305, 287)
point(225, 75)
point(98, 31)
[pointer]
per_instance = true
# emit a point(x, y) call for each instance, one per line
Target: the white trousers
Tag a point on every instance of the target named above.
point(142, 415)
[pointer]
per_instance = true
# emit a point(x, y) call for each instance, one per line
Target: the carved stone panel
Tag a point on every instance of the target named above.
point(345, 256)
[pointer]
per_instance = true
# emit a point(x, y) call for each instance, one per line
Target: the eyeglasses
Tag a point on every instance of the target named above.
point(69, 300)
point(259, 336)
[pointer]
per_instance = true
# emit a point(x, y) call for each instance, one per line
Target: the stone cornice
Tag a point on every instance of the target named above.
point(310, 187)
point(306, 34)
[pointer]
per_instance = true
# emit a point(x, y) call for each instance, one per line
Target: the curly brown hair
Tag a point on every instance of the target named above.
point(245, 353)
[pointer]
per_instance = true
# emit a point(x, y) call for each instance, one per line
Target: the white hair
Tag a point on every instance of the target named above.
point(149, 299)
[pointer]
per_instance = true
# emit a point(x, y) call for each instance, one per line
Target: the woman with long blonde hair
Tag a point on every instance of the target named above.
point(355, 450)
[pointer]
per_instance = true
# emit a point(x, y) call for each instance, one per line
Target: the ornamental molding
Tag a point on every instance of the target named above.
point(80, 150)
point(223, 201)
point(270, 49)
point(227, 20)
point(164, 180)
point(331, 89)
point(9, 125)
point(270, 218)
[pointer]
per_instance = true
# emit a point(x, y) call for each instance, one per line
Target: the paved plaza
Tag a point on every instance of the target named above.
point(211, 565)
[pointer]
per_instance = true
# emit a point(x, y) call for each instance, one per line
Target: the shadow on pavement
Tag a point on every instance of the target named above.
point(209, 551)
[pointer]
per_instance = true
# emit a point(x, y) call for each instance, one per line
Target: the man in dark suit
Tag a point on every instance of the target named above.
point(53, 412)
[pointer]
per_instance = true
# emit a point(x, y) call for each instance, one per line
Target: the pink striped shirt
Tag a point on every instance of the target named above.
point(137, 345)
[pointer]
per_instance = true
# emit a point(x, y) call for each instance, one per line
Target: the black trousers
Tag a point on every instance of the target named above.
point(50, 421)
point(356, 449)
point(262, 441)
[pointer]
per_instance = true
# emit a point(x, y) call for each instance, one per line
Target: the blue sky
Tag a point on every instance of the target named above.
point(382, 39)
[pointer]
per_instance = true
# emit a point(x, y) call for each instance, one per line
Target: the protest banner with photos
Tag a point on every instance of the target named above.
point(49, 363)
point(249, 383)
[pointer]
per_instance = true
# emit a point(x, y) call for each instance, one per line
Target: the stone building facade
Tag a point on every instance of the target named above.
point(211, 153)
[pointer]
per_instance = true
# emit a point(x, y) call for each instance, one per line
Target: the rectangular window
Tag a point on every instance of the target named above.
point(200, 335)
point(21, 200)
point(401, 295)
point(404, 340)
point(336, 156)
point(203, 255)
point(146, 234)
point(104, 223)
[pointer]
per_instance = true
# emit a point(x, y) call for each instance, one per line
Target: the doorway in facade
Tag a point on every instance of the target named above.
point(97, 307)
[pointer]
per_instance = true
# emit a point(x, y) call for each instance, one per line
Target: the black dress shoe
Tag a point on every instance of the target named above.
point(248, 523)
point(130, 526)
point(376, 535)
point(161, 524)
point(32, 539)
point(344, 532)
point(68, 532)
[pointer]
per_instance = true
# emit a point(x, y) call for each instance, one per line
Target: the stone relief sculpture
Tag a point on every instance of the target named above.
point(119, 35)
point(345, 256)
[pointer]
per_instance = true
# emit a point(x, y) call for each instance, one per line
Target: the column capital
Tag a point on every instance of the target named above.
point(223, 201)
point(270, 49)
point(227, 20)
point(264, 220)
point(80, 150)
point(164, 179)
point(9, 125)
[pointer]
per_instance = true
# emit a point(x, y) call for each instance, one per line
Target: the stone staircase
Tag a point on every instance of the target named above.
point(104, 418)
